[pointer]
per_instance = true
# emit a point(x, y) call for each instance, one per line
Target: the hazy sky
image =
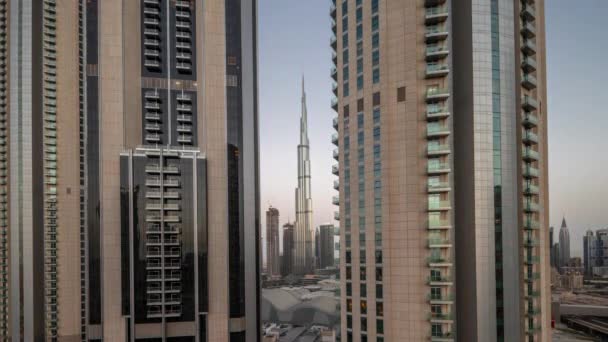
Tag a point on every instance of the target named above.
point(294, 41)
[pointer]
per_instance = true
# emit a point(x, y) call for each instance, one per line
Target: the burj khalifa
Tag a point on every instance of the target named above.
point(304, 253)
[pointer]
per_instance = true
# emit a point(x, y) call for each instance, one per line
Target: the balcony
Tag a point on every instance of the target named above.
point(529, 243)
point(442, 337)
point(529, 138)
point(529, 81)
point(334, 104)
point(153, 95)
point(530, 120)
point(532, 260)
point(438, 150)
point(437, 130)
point(184, 139)
point(528, 103)
point(437, 94)
point(528, 64)
point(182, 14)
point(333, 42)
point(528, 47)
point(184, 118)
point(530, 278)
point(152, 105)
point(531, 207)
point(152, 42)
point(332, 10)
point(445, 299)
point(530, 155)
point(437, 52)
point(528, 12)
point(434, 113)
point(153, 138)
point(153, 127)
point(439, 206)
point(337, 184)
point(334, 122)
point(440, 318)
point(435, 15)
point(439, 243)
point(184, 97)
point(184, 108)
point(335, 169)
point(436, 34)
point(151, 32)
point(335, 139)
point(184, 128)
point(182, 4)
point(439, 224)
point(335, 200)
point(334, 73)
point(437, 70)
point(184, 66)
point(438, 168)
point(439, 281)
point(183, 35)
point(438, 187)
point(337, 215)
point(336, 154)
point(528, 30)
point(530, 172)
point(530, 190)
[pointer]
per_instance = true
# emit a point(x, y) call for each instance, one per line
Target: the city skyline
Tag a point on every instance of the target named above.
point(567, 79)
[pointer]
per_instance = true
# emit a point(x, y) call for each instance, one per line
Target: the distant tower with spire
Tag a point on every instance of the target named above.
point(304, 252)
point(564, 244)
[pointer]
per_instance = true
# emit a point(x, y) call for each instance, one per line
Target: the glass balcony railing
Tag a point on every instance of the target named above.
point(530, 154)
point(438, 168)
point(437, 130)
point(530, 120)
point(439, 186)
point(439, 205)
point(434, 93)
point(439, 224)
point(438, 149)
point(334, 139)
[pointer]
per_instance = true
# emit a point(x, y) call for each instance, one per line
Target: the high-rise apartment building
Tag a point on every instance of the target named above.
point(588, 240)
point(273, 255)
point(564, 244)
point(128, 131)
point(288, 249)
point(304, 253)
point(325, 246)
point(596, 252)
point(442, 151)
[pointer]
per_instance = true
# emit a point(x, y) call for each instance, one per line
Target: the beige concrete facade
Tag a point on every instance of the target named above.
point(112, 143)
point(68, 164)
point(416, 98)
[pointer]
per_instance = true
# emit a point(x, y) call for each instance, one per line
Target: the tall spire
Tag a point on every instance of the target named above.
point(564, 222)
point(303, 118)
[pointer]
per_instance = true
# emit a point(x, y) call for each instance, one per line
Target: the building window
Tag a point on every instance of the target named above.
point(359, 82)
point(376, 76)
point(375, 23)
point(359, 32)
point(380, 326)
point(375, 40)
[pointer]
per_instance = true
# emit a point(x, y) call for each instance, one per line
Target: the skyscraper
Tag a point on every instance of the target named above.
point(564, 244)
point(273, 255)
point(134, 211)
point(288, 249)
point(325, 243)
point(442, 169)
point(588, 240)
point(551, 253)
point(304, 249)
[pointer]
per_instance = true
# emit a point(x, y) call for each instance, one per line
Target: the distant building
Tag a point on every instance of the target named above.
point(587, 241)
point(288, 245)
point(572, 281)
point(325, 243)
point(273, 258)
point(598, 249)
point(564, 244)
point(551, 251)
